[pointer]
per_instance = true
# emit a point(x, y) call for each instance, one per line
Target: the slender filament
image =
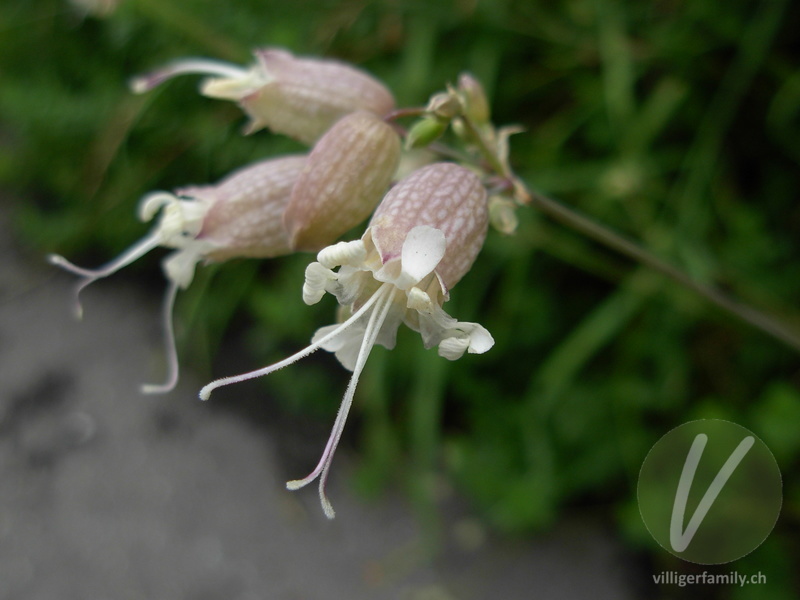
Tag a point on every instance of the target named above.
point(130, 255)
point(169, 345)
point(205, 392)
point(373, 328)
point(197, 66)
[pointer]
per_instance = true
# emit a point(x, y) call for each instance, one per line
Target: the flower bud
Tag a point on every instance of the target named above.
point(503, 215)
point(345, 176)
point(425, 131)
point(444, 105)
point(477, 105)
point(298, 97)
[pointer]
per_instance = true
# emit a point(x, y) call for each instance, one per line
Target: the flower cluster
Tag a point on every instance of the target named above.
point(272, 208)
point(425, 231)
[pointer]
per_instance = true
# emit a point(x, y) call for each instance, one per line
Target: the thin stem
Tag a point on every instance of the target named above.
point(399, 113)
point(485, 149)
point(613, 240)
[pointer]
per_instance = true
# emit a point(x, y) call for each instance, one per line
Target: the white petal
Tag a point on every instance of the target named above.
point(423, 249)
point(343, 253)
point(337, 330)
point(345, 345)
point(234, 88)
point(152, 203)
point(179, 266)
point(181, 221)
point(480, 340)
point(335, 343)
point(453, 337)
point(317, 278)
point(419, 301)
point(453, 348)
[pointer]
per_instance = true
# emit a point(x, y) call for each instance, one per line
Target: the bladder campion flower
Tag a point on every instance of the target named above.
point(421, 241)
point(239, 217)
point(298, 97)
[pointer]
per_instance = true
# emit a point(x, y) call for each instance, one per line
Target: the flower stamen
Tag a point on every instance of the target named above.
point(196, 66)
point(205, 392)
point(89, 276)
point(376, 320)
point(169, 345)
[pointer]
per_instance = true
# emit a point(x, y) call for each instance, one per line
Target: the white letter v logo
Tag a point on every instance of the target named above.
point(680, 540)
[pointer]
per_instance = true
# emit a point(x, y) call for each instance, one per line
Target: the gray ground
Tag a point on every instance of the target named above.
point(107, 494)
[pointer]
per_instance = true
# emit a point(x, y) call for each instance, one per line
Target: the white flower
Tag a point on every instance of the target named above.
point(242, 216)
point(422, 239)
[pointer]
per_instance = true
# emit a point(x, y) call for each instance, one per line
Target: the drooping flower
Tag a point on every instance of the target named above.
point(421, 241)
point(299, 97)
point(347, 173)
point(239, 217)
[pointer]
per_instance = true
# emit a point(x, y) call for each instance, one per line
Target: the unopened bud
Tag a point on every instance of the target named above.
point(445, 105)
point(477, 105)
point(425, 131)
point(503, 215)
point(347, 173)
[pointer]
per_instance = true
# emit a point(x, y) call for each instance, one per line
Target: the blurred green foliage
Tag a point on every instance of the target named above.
point(675, 122)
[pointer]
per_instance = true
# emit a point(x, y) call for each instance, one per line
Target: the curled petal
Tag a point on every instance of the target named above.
point(453, 348)
point(343, 253)
point(316, 283)
point(152, 203)
point(438, 326)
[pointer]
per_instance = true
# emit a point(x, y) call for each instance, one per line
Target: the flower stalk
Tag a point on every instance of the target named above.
point(491, 155)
